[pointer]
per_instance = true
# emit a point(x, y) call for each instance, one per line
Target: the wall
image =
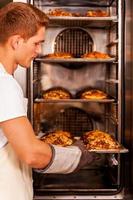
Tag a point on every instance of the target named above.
point(4, 2)
point(129, 94)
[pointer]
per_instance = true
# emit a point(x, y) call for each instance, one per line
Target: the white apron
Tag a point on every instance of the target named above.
point(15, 177)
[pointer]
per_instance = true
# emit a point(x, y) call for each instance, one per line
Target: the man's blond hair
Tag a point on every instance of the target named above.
point(20, 18)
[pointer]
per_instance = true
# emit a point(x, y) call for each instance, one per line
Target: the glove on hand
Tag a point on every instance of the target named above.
point(86, 157)
point(64, 160)
point(68, 159)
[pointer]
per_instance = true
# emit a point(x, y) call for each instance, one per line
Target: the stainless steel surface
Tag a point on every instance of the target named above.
point(30, 92)
point(71, 3)
point(120, 68)
point(52, 33)
point(75, 100)
point(91, 182)
point(122, 150)
point(76, 60)
point(80, 197)
point(73, 79)
point(81, 40)
point(97, 22)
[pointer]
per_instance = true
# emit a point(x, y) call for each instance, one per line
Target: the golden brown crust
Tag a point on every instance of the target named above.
point(62, 12)
point(59, 55)
point(59, 12)
point(100, 140)
point(96, 13)
point(56, 93)
point(93, 94)
point(60, 138)
point(76, 14)
point(96, 55)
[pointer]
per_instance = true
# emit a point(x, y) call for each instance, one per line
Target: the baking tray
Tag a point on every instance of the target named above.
point(83, 18)
point(121, 150)
point(99, 3)
point(37, 100)
point(98, 22)
point(74, 60)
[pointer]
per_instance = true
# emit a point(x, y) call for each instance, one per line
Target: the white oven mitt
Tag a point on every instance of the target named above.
point(68, 159)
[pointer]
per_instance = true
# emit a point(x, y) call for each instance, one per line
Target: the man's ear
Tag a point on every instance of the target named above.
point(15, 41)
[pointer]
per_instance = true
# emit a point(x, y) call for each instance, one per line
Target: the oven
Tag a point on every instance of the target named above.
point(80, 34)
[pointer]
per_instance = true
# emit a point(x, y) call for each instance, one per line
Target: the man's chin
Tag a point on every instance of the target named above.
point(28, 64)
point(25, 65)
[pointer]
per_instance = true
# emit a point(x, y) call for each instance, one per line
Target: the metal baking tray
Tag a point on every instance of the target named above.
point(37, 100)
point(99, 3)
point(74, 60)
point(98, 22)
point(121, 150)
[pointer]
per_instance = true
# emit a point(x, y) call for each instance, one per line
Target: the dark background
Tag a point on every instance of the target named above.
point(4, 2)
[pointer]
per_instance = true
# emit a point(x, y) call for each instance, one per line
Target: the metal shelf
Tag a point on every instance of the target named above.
point(96, 22)
point(112, 81)
point(97, 3)
point(74, 100)
point(74, 60)
point(115, 42)
point(121, 150)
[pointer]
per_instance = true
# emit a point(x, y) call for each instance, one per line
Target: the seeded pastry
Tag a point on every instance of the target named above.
point(100, 140)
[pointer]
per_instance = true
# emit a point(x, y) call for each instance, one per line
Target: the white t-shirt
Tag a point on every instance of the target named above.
point(12, 101)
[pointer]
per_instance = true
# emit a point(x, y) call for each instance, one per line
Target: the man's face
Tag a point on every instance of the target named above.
point(29, 49)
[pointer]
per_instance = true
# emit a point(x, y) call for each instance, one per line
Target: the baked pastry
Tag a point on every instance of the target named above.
point(100, 140)
point(76, 14)
point(60, 138)
point(56, 93)
point(96, 55)
point(59, 55)
point(59, 12)
point(93, 94)
point(62, 12)
point(96, 13)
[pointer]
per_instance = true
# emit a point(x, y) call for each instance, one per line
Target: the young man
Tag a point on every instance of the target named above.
point(22, 30)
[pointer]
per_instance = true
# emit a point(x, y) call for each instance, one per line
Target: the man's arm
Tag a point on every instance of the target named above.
point(38, 154)
point(21, 136)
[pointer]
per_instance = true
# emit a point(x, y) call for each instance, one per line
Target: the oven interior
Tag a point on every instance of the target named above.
point(80, 35)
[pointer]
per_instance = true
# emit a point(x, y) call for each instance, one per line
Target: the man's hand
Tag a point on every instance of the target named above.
point(69, 159)
point(86, 157)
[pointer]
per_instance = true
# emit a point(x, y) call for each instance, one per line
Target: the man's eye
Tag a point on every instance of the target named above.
point(37, 43)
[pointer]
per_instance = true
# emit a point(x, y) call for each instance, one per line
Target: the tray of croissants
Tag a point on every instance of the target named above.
point(95, 141)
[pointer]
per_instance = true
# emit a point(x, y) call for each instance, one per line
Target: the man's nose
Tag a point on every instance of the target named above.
point(39, 49)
